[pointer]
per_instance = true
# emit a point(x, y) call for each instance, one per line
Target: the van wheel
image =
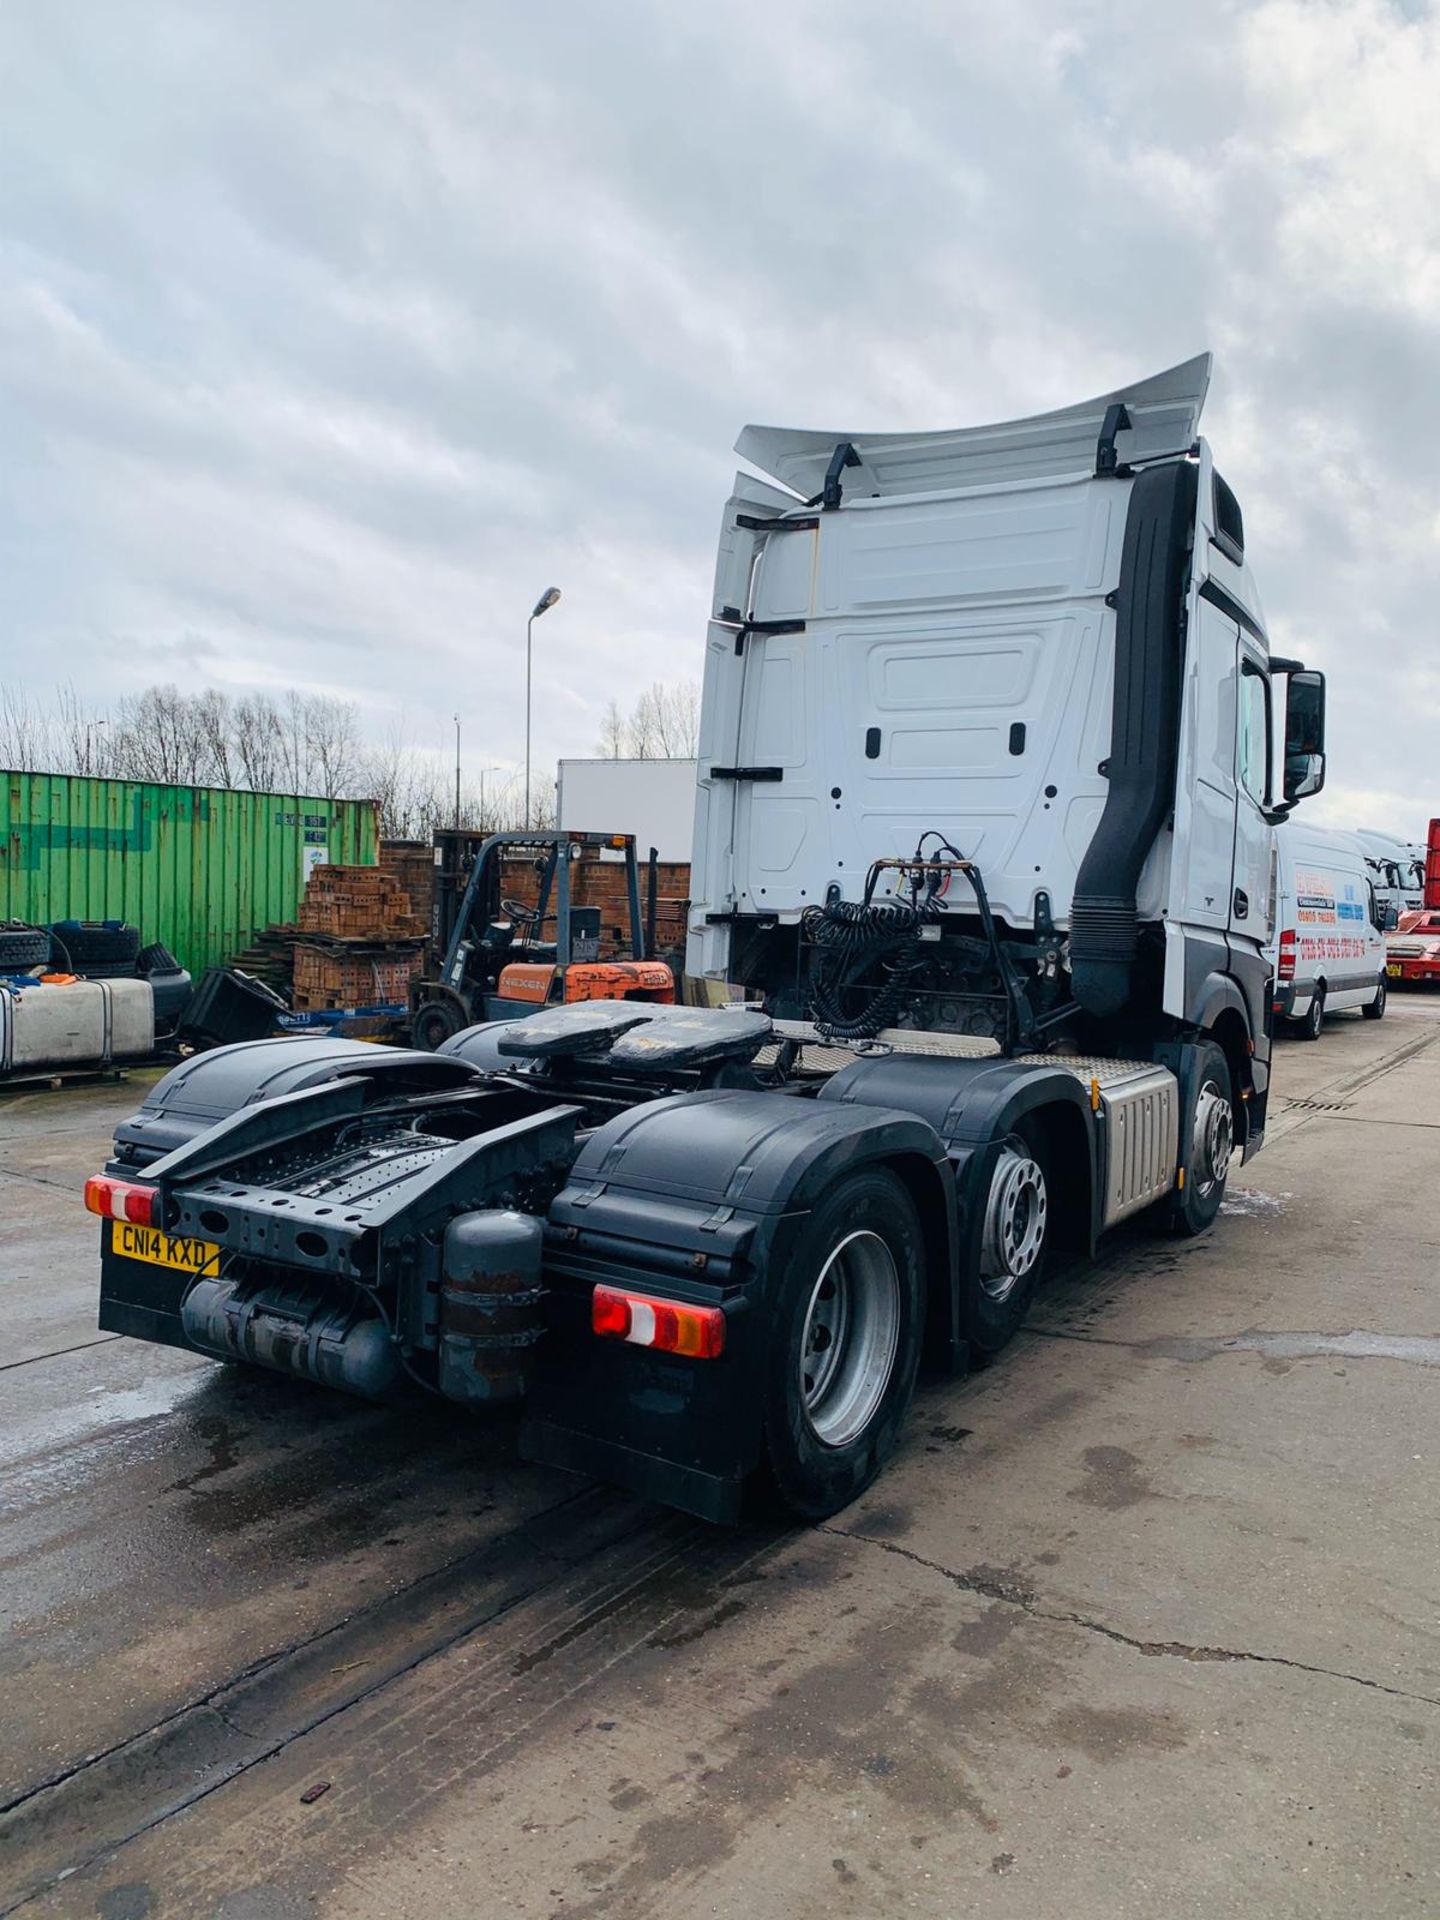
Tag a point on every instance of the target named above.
point(1375, 1009)
point(1015, 1237)
point(1310, 1027)
point(849, 1315)
point(1209, 1149)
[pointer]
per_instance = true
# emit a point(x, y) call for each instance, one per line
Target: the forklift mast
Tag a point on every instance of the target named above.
point(552, 852)
point(497, 966)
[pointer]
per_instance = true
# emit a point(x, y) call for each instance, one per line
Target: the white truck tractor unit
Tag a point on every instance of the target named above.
point(1397, 868)
point(984, 837)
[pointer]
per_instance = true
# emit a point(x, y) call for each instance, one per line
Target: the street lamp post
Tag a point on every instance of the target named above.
point(542, 605)
point(457, 773)
point(483, 772)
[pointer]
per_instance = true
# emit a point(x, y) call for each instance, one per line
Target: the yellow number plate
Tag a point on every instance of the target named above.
point(164, 1250)
point(1393, 969)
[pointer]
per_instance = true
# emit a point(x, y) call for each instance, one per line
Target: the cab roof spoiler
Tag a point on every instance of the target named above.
point(1147, 420)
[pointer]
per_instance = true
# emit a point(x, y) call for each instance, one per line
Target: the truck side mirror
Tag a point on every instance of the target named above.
point(1304, 735)
point(1389, 917)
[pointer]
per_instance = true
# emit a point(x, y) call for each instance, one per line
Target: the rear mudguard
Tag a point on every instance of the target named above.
point(973, 1105)
point(211, 1086)
point(699, 1198)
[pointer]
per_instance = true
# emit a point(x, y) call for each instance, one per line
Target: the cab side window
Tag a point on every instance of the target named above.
point(1253, 747)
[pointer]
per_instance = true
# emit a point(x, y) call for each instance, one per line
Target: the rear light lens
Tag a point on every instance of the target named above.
point(666, 1325)
point(1287, 955)
point(121, 1200)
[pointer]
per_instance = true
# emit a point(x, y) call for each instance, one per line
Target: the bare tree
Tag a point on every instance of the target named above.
point(301, 743)
point(77, 732)
point(663, 724)
point(332, 746)
point(612, 733)
point(256, 733)
point(215, 720)
point(159, 735)
point(26, 734)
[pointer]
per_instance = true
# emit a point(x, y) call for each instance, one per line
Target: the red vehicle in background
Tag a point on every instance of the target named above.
point(1412, 952)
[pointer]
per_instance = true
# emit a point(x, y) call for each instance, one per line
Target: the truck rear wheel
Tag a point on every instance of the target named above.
point(1208, 1152)
point(849, 1315)
point(1015, 1234)
point(1375, 1009)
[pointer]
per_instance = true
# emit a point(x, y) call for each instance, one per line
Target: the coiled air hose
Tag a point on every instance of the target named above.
point(851, 935)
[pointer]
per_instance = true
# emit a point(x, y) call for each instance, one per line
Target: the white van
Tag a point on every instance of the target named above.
point(1329, 950)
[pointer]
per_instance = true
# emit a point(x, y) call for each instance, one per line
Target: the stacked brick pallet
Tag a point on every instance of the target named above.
point(358, 941)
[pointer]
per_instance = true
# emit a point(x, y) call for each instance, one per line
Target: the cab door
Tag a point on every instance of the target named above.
point(1252, 904)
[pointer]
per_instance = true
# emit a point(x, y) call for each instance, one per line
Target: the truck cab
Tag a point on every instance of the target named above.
point(1012, 686)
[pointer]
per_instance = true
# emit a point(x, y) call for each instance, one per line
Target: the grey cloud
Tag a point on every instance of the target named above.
point(332, 333)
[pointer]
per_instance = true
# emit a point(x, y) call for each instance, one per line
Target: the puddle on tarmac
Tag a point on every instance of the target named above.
point(102, 1410)
point(1251, 1204)
point(1300, 1346)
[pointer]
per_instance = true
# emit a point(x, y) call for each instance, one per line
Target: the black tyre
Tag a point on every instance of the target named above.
point(22, 947)
point(1375, 1009)
point(1016, 1232)
point(1312, 1023)
point(100, 949)
point(434, 1022)
point(1209, 1149)
point(848, 1321)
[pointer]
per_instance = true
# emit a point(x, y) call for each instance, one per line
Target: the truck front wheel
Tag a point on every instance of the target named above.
point(1207, 1153)
point(849, 1315)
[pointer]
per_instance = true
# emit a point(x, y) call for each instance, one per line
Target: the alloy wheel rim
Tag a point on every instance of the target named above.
point(1015, 1220)
point(1213, 1140)
point(850, 1338)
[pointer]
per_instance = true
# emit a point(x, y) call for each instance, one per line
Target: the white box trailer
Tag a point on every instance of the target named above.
point(652, 799)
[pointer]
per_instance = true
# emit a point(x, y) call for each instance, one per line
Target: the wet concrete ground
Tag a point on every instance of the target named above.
point(1142, 1621)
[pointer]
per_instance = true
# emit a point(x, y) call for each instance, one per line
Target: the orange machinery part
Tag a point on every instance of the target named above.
point(588, 980)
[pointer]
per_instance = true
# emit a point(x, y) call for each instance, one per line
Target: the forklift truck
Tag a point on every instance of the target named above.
point(499, 963)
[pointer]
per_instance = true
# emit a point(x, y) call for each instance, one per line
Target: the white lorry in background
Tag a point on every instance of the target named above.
point(1329, 949)
point(1398, 869)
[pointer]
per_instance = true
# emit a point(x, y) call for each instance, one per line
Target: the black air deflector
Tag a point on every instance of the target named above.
point(1144, 735)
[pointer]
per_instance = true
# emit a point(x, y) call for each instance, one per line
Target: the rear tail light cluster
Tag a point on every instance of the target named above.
point(1286, 969)
point(665, 1325)
point(121, 1200)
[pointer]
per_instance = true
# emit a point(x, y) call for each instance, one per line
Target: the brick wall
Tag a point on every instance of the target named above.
point(601, 883)
point(595, 882)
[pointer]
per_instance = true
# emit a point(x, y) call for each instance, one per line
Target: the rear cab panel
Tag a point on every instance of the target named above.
point(947, 661)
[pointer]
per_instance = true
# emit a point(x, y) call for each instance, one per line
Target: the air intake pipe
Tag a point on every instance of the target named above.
point(1144, 736)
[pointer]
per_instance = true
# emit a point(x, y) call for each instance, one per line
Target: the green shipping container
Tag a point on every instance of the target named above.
point(201, 868)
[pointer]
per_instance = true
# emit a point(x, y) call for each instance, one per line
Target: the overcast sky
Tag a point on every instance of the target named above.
point(331, 332)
